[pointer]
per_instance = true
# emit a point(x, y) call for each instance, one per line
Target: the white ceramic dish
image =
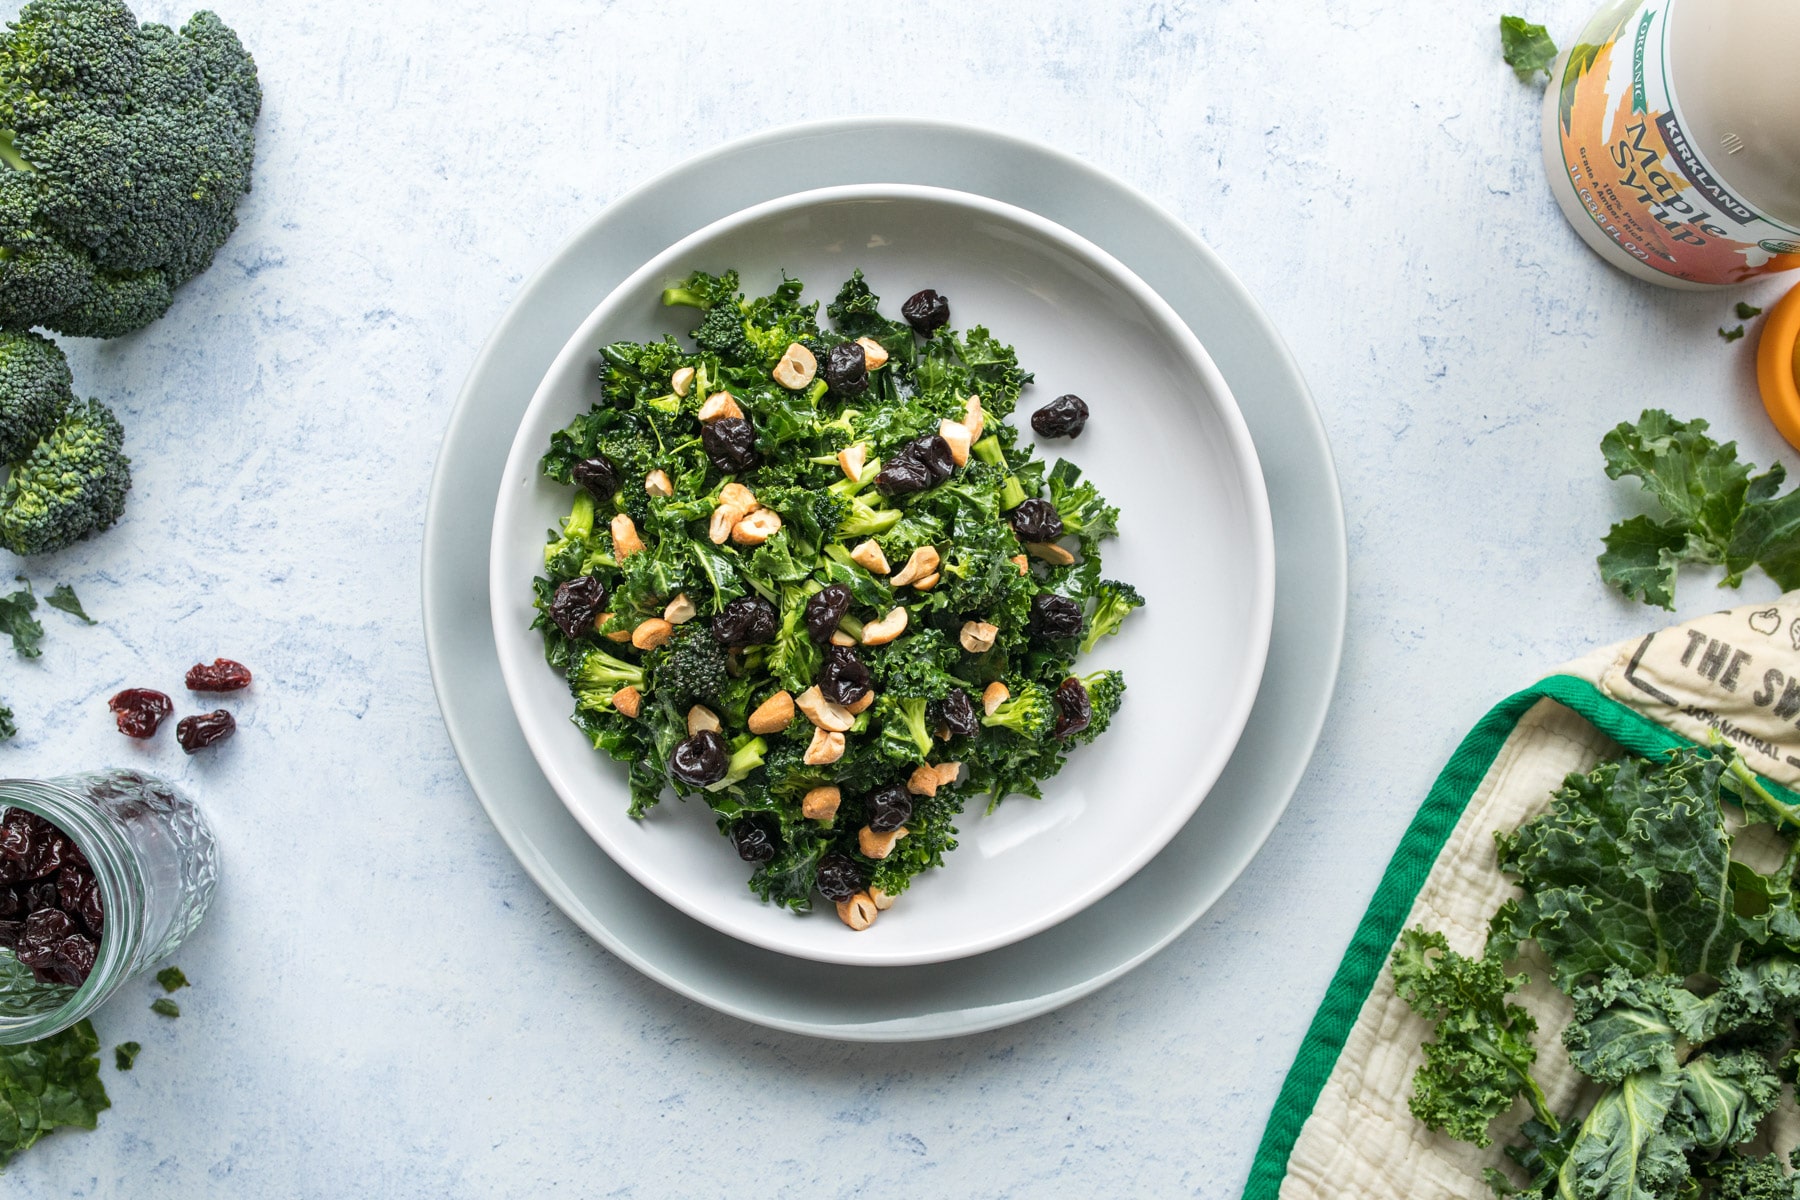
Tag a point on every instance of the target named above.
point(1029, 978)
point(1166, 444)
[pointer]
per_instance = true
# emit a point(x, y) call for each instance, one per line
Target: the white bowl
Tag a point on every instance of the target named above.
point(1165, 443)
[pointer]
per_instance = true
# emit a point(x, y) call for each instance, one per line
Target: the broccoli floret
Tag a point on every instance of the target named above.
point(690, 668)
point(904, 736)
point(721, 332)
point(70, 487)
point(594, 675)
point(1028, 712)
point(701, 290)
point(35, 391)
point(563, 555)
point(1114, 601)
point(1106, 692)
point(126, 150)
point(745, 758)
point(1084, 512)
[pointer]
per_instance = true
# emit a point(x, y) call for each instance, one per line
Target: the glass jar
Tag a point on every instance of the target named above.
point(156, 867)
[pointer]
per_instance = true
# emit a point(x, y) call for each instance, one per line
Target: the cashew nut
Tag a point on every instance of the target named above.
point(977, 637)
point(861, 703)
point(947, 773)
point(960, 439)
point(626, 541)
point(858, 912)
point(680, 611)
point(875, 355)
point(701, 717)
point(993, 696)
point(924, 561)
point(821, 803)
point(840, 638)
point(923, 781)
point(681, 380)
point(757, 528)
point(651, 634)
point(735, 503)
point(718, 406)
point(927, 583)
point(773, 715)
point(882, 900)
point(878, 845)
point(826, 747)
point(796, 368)
point(628, 700)
point(823, 713)
point(658, 483)
point(880, 633)
point(868, 555)
point(851, 460)
point(974, 418)
point(1021, 562)
point(617, 635)
point(1051, 553)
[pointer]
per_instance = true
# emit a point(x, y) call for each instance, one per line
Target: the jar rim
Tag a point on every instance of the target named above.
point(121, 887)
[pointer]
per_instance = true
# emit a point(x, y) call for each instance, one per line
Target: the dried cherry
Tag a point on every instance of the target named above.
point(958, 713)
point(599, 475)
point(844, 679)
point(746, 621)
point(846, 370)
point(1036, 521)
point(1074, 711)
point(576, 603)
point(824, 609)
point(139, 711)
point(198, 732)
point(889, 808)
point(223, 676)
point(730, 442)
point(837, 878)
point(1063, 417)
point(1055, 617)
point(926, 311)
point(921, 463)
point(701, 759)
point(753, 840)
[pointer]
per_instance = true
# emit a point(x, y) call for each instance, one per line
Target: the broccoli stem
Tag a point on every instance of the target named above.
point(744, 759)
point(1011, 493)
point(680, 297)
point(9, 153)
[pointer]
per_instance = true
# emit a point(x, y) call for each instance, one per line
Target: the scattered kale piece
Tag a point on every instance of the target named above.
point(165, 1007)
point(1746, 311)
point(1526, 48)
point(49, 1084)
point(1718, 512)
point(7, 727)
point(125, 1055)
point(17, 622)
point(63, 597)
point(171, 979)
point(1732, 334)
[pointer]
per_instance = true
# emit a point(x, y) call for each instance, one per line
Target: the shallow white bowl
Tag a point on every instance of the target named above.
point(1165, 443)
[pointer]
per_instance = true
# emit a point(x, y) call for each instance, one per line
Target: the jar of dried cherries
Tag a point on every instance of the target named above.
point(101, 875)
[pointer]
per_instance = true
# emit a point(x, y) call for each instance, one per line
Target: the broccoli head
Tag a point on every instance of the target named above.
point(1106, 692)
point(126, 148)
point(690, 668)
point(1028, 711)
point(594, 675)
point(71, 486)
point(35, 391)
point(1114, 601)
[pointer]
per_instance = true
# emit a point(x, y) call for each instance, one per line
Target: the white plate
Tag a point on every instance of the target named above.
point(1166, 444)
point(1041, 973)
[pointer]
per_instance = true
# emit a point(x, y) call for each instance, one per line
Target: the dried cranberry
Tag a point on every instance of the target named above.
point(1074, 711)
point(1036, 521)
point(889, 808)
point(753, 841)
point(1055, 617)
point(701, 759)
point(77, 953)
point(599, 475)
point(824, 609)
point(926, 311)
point(198, 732)
point(15, 836)
point(1063, 417)
point(746, 621)
point(576, 603)
point(958, 712)
point(11, 934)
point(846, 370)
point(223, 676)
point(139, 711)
point(47, 856)
point(730, 442)
point(843, 679)
point(838, 878)
point(12, 905)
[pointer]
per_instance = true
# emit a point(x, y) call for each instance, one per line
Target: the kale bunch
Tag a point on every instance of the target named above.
point(680, 619)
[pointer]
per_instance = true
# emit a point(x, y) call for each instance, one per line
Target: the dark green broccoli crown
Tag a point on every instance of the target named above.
point(35, 391)
point(690, 668)
point(721, 332)
point(73, 485)
point(129, 147)
point(1106, 693)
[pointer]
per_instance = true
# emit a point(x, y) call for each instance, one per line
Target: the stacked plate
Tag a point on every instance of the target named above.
point(1103, 294)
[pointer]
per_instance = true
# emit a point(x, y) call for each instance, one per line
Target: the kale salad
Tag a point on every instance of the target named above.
point(811, 576)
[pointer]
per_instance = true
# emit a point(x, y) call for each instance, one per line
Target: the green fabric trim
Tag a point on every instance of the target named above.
point(1406, 873)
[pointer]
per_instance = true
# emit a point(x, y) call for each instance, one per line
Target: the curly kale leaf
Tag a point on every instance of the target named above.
point(1717, 512)
point(1481, 1057)
point(856, 313)
point(1527, 48)
point(1627, 868)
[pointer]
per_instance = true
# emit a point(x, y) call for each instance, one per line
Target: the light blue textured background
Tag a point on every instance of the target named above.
point(384, 1005)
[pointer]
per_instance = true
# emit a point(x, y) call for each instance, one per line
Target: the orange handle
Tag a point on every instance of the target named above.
point(1777, 363)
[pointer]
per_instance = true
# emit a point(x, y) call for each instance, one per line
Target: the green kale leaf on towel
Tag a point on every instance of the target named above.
point(1718, 512)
